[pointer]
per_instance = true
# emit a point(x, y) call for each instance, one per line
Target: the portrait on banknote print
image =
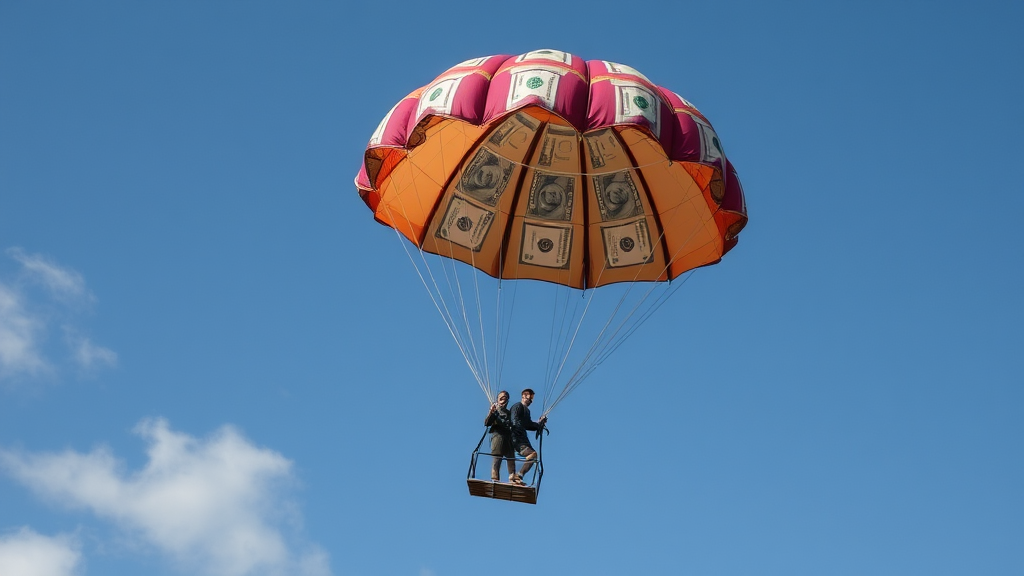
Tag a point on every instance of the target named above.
point(465, 224)
point(548, 246)
point(617, 196)
point(627, 244)
point(551, 197)
point(486, 177)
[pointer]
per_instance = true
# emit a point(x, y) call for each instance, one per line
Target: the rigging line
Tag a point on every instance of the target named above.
point(480, 317)
point(473, 366)
point(511, 316)
point(402, 240)
point(570, 384)
point(658, 302)
point(471, 357)
point(614, 343)
point(568, 173)
point(598, 344)
point(555, 347)
point(553, 344)
point(564, 331)
point(497, 320)
point(619, 342)
point(462, 308)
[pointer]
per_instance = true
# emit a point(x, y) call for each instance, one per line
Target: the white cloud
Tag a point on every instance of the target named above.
point(61, 282)
point(217, 505)
point(88, 355)
point(19, 335)
point(26, 553)
point(27, 313)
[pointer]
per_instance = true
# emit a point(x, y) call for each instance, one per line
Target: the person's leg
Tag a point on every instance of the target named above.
point(496, 450)
point(531, 457)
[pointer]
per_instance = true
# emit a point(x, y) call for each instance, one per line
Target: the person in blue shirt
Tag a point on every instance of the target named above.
point(521, 422)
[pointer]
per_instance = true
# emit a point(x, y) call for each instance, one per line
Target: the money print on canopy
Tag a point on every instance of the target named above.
point(634, 100)
point(551, 197)
point(547, 246)
point(710, 147)
point(563, 180)
point(553, 55)
point(585, 170)
point(539, 82)
point(623, 69)
point(439, 97)
point(486, 177)
point(617, 196)
point(465, 224)
point(628, 244)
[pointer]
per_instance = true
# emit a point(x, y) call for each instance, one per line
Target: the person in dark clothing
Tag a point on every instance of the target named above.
point(500, 422)
point(521, 422)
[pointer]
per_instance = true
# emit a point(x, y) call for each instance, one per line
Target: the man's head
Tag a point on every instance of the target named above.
point(502, 398)
point(527, 397)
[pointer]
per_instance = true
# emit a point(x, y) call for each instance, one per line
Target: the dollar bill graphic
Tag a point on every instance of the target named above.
point(548, 246)
point(486, 177)
point(632, 100)
point(553, 55)
point(623, 69)
point(551, 196)
point(627, 244)
point(539, 82)
point(559, 144)
point(440, 96)
point(617, 196)
point(465, 224)
point(710, 147)
point(520, 124)
point(603, 147)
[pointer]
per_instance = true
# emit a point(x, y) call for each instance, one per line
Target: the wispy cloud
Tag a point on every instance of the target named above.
point(40, 295)
point(219, 505)
point(88, 355)
point(61, 282)
point(27, 553)
point(19, 336)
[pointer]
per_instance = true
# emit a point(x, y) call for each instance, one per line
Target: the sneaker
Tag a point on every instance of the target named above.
point(516, 479)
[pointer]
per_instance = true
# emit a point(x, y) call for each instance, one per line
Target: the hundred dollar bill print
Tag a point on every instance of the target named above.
point(623, 69)
point(548, 246)
point(465, 224)
point(551, 196)
point(516, 132)
point(440, 96)
point(486, 177)
point(710, 145)
point(533, 82)
point(632, 100)
point(617, 196)
point(553, 55)
point(603, 147)
point(627, 244)
point(559, 144)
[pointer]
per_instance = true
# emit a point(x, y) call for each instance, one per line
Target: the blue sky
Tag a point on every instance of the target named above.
point(213, 361)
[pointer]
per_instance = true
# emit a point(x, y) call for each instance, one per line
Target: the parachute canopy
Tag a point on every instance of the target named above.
point(548, 167)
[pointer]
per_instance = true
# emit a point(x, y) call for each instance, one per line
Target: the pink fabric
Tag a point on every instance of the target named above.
point(590, 95)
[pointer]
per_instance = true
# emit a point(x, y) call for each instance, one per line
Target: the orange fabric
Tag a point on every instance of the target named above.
point(527, 196)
